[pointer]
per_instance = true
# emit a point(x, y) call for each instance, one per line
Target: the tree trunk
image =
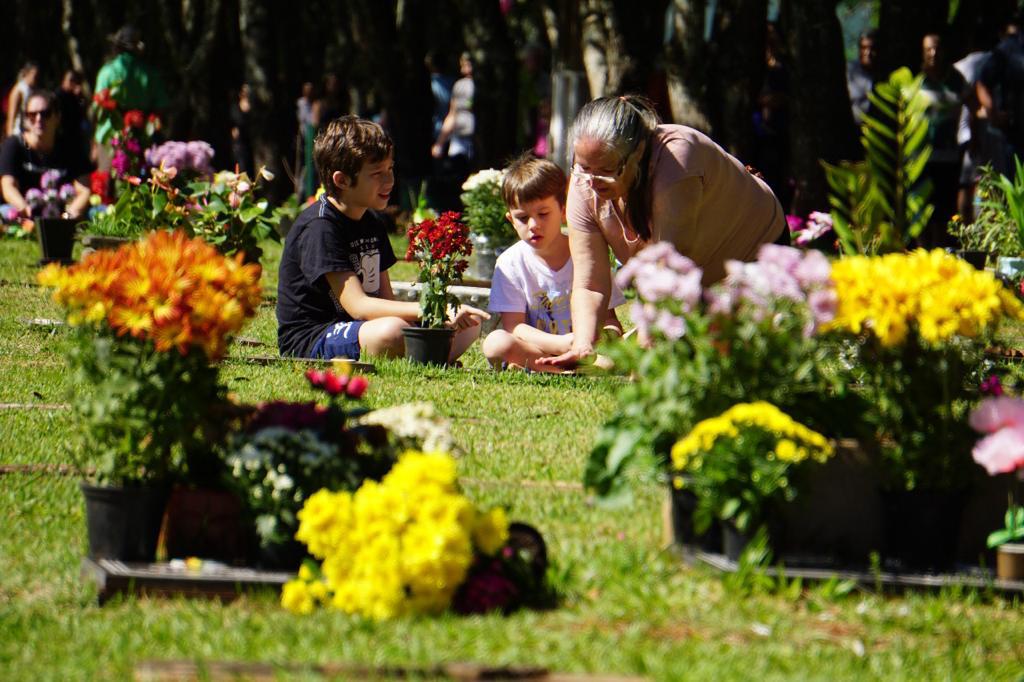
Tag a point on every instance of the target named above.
point(739, 66)
point(820, 104)
point(605, 56)
point(686, 65)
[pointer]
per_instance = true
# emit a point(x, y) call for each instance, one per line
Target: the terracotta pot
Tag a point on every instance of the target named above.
point(1010, 561)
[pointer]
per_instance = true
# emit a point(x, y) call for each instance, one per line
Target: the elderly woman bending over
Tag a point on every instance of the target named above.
point(636, 181)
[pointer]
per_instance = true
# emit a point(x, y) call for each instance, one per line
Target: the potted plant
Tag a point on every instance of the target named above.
point(740, 465)
point(150, 320)
point(973, 248)
point(286, 451)
point(1001, 451)
point(56, 231)
point(490, 232)
point(440, 247)
point(1000, 220)
point(913, 345)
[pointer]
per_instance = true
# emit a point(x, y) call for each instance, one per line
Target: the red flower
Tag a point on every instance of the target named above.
point(356, 387)
point(331, 383)
point(99, 184)
point(104, 100)
point(134, 119)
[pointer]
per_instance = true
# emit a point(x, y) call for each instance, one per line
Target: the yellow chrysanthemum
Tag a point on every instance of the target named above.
point(936, 294)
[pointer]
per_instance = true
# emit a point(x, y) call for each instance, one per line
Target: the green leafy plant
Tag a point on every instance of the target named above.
point(880, 205)
point(229, 213)
point(1000, 219)
point(1012, 531)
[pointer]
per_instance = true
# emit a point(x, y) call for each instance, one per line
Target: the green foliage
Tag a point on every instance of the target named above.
point(1000, 219)
point(136, 211)
point(1013, 529)
point(147, 411)
point(919, 397)
point(228, 213)
point(880, 205)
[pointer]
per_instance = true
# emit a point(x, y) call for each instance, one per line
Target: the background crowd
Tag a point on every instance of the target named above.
point(487, 80)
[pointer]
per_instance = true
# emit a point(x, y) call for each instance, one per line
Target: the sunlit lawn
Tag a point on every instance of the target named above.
point(628, 605)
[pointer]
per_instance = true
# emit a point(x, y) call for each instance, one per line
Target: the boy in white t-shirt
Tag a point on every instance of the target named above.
point(533, 279)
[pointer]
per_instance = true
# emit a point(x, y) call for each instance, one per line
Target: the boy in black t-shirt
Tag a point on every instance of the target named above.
point(334, 296)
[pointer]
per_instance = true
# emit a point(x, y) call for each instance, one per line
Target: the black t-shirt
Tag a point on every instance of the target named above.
point(323, 240)
point(28, 166)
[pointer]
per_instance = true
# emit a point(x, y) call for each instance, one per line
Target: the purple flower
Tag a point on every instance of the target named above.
point(50, 179)
point(783, 257)
point(991, 386)
point(66, 192)
point(120, 163)
point(672, 326)
point(133, 146)
point(813, 270)
point(8, 213)
point(35, 197)
point(823, 304)
point(51, 211)
point(795, 223)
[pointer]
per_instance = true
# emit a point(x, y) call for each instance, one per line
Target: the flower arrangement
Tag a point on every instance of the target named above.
point(49, 200)
point(916, 342)
point(1001, 451)
point(129, 134)
point(440, 247)
point(757, 335)
point(485, 209)
point(743, 461)
point(151, 317)
point(285, 452)
point(410, 544)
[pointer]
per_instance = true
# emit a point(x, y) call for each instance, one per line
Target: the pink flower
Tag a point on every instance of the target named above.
point(991, 386)
point(1001, 452)
point(814, 269)
point(993, 414)
point(795, 223)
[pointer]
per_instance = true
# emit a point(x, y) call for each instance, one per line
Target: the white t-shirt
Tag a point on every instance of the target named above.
point(524, 283)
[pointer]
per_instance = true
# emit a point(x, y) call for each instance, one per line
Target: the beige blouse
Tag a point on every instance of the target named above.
point(737, 214)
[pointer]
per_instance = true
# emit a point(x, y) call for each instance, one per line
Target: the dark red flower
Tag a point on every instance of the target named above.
point(294, 416)
point(328, 381)
point(486, 588)
point(991, 386)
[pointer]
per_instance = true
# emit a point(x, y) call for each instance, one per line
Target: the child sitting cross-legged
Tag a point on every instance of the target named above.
point(533, 279)
point(334, 297)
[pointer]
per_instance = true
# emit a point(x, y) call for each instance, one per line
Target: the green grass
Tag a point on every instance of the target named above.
point(628, 606)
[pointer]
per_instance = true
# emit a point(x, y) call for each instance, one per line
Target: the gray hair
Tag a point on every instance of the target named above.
point(619, 123)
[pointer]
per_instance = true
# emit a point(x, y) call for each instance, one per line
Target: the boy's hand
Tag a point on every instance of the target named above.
point(467, 316)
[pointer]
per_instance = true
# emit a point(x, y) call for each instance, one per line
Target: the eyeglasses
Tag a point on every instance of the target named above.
point(43, 114)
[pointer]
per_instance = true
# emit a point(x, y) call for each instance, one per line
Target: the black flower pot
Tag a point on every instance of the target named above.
point(428, 346)
point(123, 523)
point(282, 556)
point(683, 504)
point(734, 541)
point(56, 239)
point(975, 258)
point(921, 529)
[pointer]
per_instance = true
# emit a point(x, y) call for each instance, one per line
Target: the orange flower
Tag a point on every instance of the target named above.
point(167, 289)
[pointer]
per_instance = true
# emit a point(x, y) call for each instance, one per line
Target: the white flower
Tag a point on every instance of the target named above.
point(489, 175)
point(417, 423)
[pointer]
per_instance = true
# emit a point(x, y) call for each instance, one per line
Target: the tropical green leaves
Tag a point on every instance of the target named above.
point(881, 205)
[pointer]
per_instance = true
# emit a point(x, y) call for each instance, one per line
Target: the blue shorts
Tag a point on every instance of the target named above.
point(340, 340)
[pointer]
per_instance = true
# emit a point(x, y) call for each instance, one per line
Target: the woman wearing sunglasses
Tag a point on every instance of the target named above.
point(26, 156)
point(635, 182)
